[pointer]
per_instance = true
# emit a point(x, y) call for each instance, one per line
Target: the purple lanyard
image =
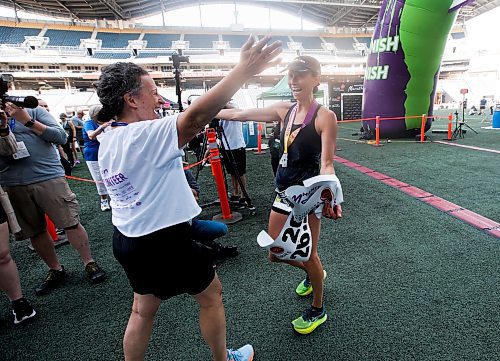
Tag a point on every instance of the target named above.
point(310, 114)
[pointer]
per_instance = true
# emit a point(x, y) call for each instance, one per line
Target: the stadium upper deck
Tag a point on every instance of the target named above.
point(72, 55)
point(41, 50)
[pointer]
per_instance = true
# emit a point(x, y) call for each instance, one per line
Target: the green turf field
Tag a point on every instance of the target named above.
point(405, 280)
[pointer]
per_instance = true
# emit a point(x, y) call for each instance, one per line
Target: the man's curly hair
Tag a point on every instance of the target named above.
point(115, 81)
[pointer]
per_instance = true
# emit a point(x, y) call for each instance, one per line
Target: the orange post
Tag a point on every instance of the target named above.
point(259, 138)
point(450, 123)
point(217, 172)
point(51, 228)
point(377, 130)
point(422, 129)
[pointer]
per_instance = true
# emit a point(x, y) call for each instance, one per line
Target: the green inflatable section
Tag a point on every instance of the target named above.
point(425, 25)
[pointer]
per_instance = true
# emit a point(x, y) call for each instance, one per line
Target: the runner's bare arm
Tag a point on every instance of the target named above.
point(273, 113)
point(327, 122)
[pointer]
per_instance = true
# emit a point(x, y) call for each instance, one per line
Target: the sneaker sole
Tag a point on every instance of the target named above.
point(25, 318)
point(310, 329)
point(310, 289)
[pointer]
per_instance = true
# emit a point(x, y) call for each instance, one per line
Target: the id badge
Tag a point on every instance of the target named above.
point(22, 151)
point(284, 160)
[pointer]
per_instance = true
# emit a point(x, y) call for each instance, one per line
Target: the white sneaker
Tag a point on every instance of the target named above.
point(244, 353)
point(105, 205)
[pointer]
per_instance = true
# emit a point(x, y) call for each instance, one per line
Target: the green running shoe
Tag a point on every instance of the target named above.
point(309, 321)
point(305, 287)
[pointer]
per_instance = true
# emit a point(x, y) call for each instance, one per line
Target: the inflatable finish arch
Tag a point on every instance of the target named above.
point(404, 61)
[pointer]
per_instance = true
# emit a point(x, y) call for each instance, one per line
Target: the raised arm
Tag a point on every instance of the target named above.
point(45, 125)
point(92, 134)
point(254, 58)
point(273, 113)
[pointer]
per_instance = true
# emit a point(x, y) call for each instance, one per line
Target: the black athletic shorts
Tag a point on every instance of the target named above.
point(165, 263)
point(240, 159)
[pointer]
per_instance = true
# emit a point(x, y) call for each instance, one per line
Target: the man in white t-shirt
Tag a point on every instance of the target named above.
point(234, 156)
point(141, 166)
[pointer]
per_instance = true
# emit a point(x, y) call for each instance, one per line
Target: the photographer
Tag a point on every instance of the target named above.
point(9, 275)
point(34, 180)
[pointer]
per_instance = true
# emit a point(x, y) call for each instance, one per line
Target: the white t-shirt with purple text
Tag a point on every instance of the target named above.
point(141, 166)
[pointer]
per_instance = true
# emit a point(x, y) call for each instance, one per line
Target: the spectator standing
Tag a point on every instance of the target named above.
point(9, 275)
point(69, 147)
point(235, 149)
point(34, 180)
point(91, 130)
point(77, 121)
point(62, 155)
point(482, 105)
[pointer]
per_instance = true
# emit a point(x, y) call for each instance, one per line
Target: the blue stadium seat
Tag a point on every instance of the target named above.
point(154, 54)
point(235, 41)
point(111, 55)
point(191, 51)
point(116, 40)
point(342, 43)
point(367, 41)
point(309, 42)
point(10, 35)
point(66, 37)
point(199, 41)
point(160, 41)
point(284, 39)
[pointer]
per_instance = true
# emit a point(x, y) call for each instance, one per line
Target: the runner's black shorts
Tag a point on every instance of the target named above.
point(165, 263)
point(240, 159)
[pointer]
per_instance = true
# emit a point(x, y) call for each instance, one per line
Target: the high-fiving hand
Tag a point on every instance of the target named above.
point(257, 56)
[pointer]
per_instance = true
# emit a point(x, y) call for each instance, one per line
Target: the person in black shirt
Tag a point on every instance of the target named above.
point(308, 141)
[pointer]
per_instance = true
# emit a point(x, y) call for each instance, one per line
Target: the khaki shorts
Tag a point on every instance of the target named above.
point(52, 197)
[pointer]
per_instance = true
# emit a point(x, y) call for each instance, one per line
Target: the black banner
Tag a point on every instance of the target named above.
point(346, 99)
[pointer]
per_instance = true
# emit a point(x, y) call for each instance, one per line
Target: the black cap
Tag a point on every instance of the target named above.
point(305, 63)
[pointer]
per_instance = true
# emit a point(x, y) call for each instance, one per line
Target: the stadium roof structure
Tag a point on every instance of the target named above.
point(341, 13)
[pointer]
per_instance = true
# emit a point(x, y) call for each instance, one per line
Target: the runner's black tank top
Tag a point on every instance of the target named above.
point(304, 154)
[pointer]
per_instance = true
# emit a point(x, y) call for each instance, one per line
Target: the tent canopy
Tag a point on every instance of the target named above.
point(282, 91)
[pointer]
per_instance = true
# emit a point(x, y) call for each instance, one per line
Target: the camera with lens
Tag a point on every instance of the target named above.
point(177, 59)
point(20, 101)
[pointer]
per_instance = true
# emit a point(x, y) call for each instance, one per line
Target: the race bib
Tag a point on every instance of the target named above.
point(22, 151)
point(295, 239)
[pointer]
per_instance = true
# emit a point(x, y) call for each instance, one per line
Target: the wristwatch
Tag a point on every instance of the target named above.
point(30, 123)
